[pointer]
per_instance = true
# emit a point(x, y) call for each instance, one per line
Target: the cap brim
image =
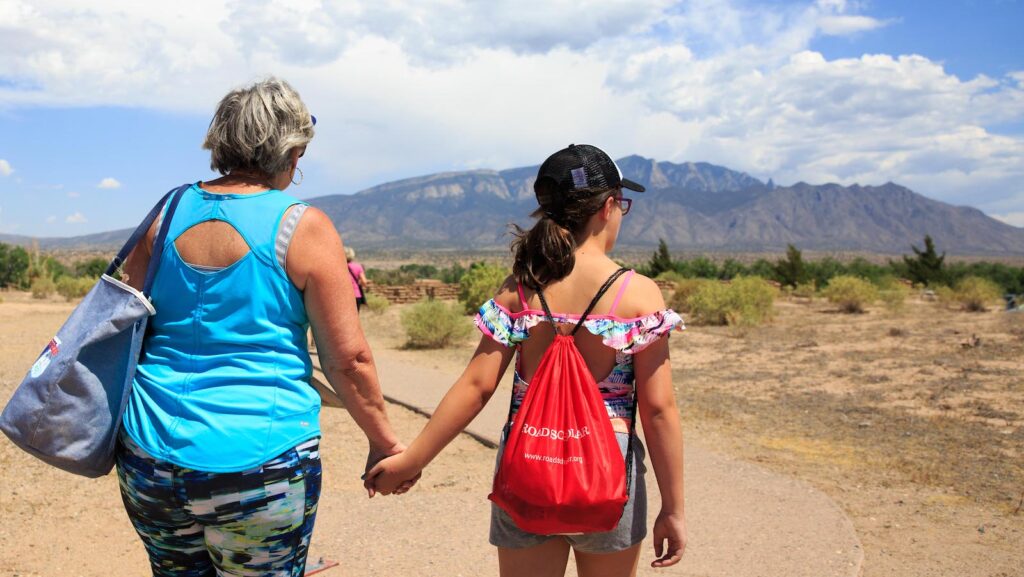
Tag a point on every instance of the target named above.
point(627, 183)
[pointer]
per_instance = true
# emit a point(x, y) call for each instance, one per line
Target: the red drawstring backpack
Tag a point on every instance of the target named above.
point(562, 471)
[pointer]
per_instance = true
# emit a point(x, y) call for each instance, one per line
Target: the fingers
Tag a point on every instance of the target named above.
point(674, 555)
point(668, 560)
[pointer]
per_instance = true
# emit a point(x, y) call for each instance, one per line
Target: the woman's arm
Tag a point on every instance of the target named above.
point(316, 266)
point(133, 271)
point(459, 407)
point(659, 414)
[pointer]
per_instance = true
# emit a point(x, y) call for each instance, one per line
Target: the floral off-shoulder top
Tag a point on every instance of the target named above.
point(627, 336)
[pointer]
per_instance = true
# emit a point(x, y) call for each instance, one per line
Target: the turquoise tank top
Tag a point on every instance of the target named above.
point(222, 384)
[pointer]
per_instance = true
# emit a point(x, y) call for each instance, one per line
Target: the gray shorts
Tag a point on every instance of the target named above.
point(632, 527)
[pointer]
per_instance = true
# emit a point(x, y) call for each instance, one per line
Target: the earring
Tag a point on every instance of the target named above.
point(301, 176)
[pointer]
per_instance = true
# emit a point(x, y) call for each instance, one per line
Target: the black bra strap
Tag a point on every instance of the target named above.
point(544, 305)
point(600, 293)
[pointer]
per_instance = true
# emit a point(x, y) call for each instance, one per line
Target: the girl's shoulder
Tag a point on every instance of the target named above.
point(640, 297)
point(639, 319)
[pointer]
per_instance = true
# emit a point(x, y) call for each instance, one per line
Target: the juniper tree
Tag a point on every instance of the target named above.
point(926, 266)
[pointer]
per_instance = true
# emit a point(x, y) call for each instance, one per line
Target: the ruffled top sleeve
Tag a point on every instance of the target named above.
point(635, 335)
point(496, 322)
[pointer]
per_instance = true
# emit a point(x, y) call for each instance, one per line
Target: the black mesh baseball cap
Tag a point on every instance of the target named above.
point(583, 168)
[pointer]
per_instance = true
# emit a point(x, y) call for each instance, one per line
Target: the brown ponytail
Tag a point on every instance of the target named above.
point(547, 252)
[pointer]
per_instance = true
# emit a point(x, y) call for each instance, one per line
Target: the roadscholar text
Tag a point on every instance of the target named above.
point(556, 434)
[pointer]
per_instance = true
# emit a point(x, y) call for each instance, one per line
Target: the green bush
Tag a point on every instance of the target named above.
point(479, 284)
point(892, 292)
point(376, 303)
point(671, 275)
point(74, 288)
point(746, 301)
point(93, 267)
point(851, 293)
point(391, 277)
point(805, 290)
point(432, 324)
point(42, 287)
point(680, 300)
point(14, 264)
point(974, 293)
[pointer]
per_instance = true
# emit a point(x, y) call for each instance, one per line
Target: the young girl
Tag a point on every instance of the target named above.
point(564, 257)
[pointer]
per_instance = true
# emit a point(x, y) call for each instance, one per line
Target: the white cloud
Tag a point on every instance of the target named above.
point(109, 182)
point(405, 88)
point(51, 219)
point(5, 168)
point(74, 194)
point(846, 25)
point(76, 218)
point(1014, 218)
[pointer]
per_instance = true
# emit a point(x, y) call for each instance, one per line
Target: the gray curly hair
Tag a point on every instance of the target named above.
point(254, 128)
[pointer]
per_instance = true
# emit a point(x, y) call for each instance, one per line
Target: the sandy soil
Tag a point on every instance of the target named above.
point(910, 423)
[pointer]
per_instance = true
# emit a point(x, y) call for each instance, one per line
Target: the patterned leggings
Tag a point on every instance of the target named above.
point(196, 524)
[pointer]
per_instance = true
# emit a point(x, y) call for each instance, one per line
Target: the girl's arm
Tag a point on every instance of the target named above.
point(459, 407)
point(659, 415)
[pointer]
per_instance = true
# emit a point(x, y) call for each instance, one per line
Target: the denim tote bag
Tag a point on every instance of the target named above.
point(68, 409)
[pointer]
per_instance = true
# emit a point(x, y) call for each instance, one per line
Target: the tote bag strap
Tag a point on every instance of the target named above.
point(158, 245)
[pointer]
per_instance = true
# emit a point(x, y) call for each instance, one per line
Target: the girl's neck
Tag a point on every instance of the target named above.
point(594, 245)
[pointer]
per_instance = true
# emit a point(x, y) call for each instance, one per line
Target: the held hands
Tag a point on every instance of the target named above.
point(669, 527)
point(375, 456)
point(395, 474)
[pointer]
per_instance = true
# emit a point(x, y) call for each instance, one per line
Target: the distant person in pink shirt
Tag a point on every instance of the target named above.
point(355, 270)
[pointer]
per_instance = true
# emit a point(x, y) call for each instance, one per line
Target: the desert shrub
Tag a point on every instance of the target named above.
point(479, 284)
point(376, 303)
point(851, 293)
point(74, 288)
point(763, 268)
point(700, 267)
point(751, 301)
point(805, 290)
point(731, 268)
point(390, 277)
point(433, 324)
point(892, 292)
point(452, 274)
point(94, 267)
point(974, 293)
point(42, 287)
point(746, 301)
point(14, 263)
point(945, 295)
point(685, 288)
point(671, 275)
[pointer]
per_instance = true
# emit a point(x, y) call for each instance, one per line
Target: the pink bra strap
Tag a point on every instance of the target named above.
point(622, 291)
point(522, 297)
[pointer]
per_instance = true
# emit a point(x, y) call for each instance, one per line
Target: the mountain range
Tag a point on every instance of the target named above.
point(693, 206)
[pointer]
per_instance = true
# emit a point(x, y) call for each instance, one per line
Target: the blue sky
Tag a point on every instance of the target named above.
point(104, 109)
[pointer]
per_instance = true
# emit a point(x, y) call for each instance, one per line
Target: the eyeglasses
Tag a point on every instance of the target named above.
point(624, 204)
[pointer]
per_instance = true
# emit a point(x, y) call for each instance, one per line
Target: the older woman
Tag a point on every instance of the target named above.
point(218, 462)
